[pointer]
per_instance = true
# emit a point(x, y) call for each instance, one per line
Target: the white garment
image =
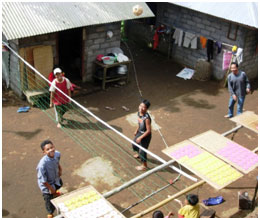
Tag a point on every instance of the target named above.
point(121, 57)
point(186, 73)
point(239, 55)
point(53, 84)
point(178, 33)
point(190, 39)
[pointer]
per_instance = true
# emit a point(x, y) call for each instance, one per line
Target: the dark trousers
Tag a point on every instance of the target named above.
point(61, 110)
point(48, 197)
point(144, 143)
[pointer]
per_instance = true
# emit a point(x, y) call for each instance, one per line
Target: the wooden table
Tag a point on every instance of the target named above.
point(105, 79)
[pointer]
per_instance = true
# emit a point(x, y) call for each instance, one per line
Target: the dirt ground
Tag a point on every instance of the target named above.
point(182, 108)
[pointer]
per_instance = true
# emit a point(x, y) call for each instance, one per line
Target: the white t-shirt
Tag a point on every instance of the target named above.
point(52, 87)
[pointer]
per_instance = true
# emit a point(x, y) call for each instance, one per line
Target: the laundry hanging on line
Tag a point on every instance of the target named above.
point(210, 50)
point(239, 55)
point(203, 41)
point(219, 46)
point(227, 56)
point(158, 31)
point(190, 39)
point(178, 34)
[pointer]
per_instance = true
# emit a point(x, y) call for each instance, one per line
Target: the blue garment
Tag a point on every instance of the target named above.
point(48, 171)
point(240, 104)
point(213, 201)
point(219, 46)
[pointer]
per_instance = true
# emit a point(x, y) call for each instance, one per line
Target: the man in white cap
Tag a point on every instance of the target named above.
point(57, 97)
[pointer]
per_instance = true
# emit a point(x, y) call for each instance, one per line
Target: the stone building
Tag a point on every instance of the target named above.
point(228, 23)
point(68, 34)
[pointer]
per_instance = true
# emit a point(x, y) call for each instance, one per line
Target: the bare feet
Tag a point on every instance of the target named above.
point(58, 125)
point(136, 156)
point(125, 108)
point(141, 168)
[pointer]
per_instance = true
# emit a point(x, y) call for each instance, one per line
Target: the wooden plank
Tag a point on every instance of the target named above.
point(85, 202)
point(229, 151)
point(211, 169)
point(210, 141)
point(43, 62)
point(22, 54)
point(29, 72)
point(248, 119)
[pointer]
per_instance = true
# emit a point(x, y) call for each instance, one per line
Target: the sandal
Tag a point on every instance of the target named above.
point(125, 108)
point(141, 168)
point(110, 108)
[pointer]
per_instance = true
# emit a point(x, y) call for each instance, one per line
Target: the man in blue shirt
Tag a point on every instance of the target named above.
point(238, 87)
point(48, 173)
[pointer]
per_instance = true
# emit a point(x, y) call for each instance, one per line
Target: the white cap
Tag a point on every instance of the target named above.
point(57, 70)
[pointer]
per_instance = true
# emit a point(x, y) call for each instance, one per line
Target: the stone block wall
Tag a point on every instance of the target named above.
point(200, 24)
point(97, 42)
point(212, 28)
point(250, 58)
point(14, 76)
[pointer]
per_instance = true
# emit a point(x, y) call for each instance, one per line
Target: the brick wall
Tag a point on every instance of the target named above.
point(15, 83)
point(97, 42)
point(250, 58)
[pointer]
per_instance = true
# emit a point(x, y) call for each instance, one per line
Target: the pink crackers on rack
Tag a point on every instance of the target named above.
point(239, 155)
point(188, 150)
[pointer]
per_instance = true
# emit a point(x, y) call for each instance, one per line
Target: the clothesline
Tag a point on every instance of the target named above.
point(225, 44)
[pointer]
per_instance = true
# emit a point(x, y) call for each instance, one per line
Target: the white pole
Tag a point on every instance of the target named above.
point(137, 179)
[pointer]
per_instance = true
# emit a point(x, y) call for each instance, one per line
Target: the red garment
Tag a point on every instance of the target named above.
point(59, 98)
point(155, 40)
point(51, 78)
point(158, 31)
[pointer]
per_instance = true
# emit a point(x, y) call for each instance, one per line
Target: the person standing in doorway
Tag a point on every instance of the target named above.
point(143, 134)
point(238, 87)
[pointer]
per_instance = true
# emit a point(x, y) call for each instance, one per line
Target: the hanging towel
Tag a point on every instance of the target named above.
point(178, 36)
point(227, 56)
point(239, 55)
point(190, 39)
point(203, 41)
point(194, 42)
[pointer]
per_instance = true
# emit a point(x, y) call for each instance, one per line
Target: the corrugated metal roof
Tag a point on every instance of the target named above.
point(24, 19)
point(245, 13)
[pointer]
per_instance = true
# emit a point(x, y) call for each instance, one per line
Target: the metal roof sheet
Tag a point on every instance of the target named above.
point(245, 13)
point(24, 19)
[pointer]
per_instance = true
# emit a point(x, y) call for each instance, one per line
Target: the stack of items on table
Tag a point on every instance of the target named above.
point(115, 55)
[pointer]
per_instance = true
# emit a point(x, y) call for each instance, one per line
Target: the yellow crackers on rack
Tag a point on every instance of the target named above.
point(214, 171)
